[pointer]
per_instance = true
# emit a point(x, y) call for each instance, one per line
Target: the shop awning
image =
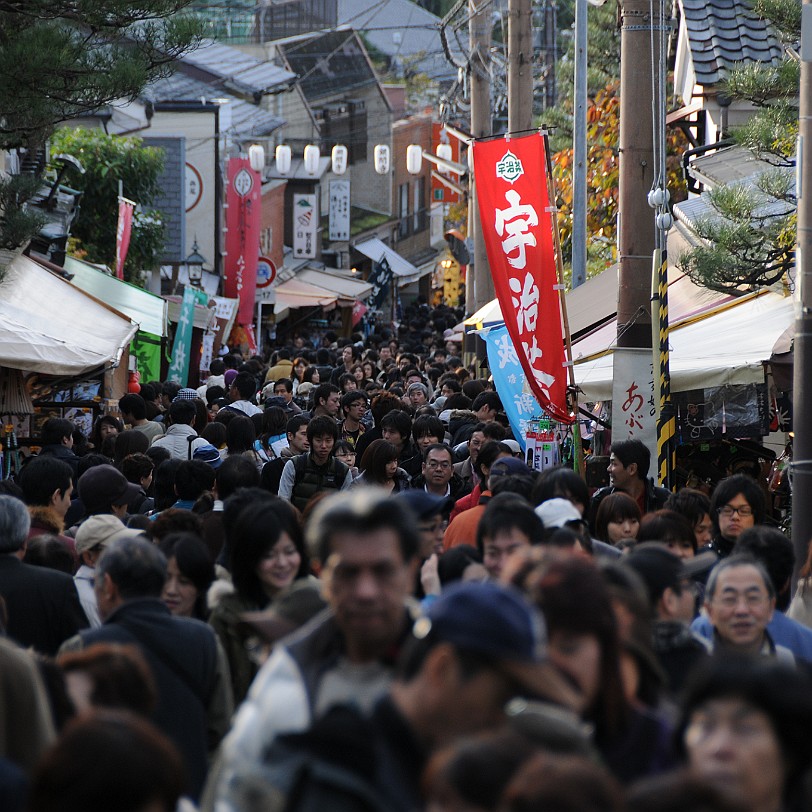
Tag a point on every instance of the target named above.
point(376, 250)
point(146, 309)
point(345, 287)
point(48, 325)
point(728, 345)
point(294, 294)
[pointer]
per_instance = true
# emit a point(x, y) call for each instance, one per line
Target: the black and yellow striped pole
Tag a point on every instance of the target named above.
point(666, 417)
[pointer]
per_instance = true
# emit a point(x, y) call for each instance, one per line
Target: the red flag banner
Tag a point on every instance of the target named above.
point(244, 197)
point(514, 209)
point(123, 233)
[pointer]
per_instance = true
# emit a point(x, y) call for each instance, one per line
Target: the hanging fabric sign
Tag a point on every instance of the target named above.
point(515, 213)
point(124, 229)
point(243, 216)
point(181, 349)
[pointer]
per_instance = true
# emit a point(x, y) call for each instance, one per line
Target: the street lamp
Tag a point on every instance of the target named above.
point(194, 265)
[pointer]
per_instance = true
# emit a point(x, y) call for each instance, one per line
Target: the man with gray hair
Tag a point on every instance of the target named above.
point(42, 605)
point(189, 667)
point(367, 548)
point(740, 600)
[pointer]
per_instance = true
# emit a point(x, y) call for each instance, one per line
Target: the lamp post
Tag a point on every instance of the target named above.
point(194, 266)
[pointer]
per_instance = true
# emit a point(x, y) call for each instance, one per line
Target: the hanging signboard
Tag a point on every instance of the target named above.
point(515, 213)
point(339, 210)
point(305, 226)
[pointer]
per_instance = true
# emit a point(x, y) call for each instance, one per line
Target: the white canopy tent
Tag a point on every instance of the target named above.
point(377, 249)
point(47, 325)
point(724, 346)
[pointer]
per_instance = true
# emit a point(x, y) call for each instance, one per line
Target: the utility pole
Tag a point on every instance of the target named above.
point(635, 220)
point(520, 65)
point(579, 235)
point(802, 364)
point(479, 32)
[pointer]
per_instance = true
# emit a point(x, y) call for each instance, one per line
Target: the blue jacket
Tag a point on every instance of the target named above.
point(784, 631)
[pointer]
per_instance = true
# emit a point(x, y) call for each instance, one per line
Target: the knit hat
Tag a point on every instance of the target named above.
point(104, 486)
point(186, 394)
point(209, 454)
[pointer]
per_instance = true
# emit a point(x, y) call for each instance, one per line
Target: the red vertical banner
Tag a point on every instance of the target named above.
point(243, 215)
point(123, 233)
point(514, 208)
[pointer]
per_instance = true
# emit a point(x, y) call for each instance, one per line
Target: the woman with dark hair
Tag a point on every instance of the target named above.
point(109, 675)
point(129, 442)
point(190, 573)
point(563, 483)
point(300, 366)
point(271, 429)
point(584, 644)
point(110, 760)
point(737, 504)
point(671, 529)
point(104, 427)
point(215, 433)
point(618, 521)
point(379, 467)
point(163, 484)
point(240, 438)
point(745, 725)
point(695, 507)
point(268, 555)
point(312, 375)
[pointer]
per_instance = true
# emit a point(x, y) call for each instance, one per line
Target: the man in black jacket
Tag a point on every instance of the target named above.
point(41, 604)
point(629, 461)
point(189, 667)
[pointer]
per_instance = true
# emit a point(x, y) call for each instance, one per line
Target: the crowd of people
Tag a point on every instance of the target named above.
point(328, 580)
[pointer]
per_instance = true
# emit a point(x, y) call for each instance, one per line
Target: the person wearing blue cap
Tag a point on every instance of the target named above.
point(478, 646)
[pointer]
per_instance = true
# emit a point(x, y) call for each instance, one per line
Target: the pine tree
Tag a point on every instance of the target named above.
point(750, 235)
point(59, 60)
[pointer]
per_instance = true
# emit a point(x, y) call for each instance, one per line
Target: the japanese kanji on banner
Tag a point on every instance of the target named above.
point(243, 215)
point(517, 226)
point(182, 348)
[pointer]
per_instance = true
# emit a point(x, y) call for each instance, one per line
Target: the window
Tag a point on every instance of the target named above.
point(403, 211)
point(419, 208)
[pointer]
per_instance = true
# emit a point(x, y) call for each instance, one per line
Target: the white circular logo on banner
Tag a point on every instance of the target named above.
point(243, 182)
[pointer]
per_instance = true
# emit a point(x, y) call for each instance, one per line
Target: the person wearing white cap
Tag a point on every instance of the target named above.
point(92, 537)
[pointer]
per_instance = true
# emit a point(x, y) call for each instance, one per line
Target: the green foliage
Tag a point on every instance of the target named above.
point(106, 160)
point(771, 133)
point(18, 224)
point(61, 60)
point(785, 16)
point(750, 236)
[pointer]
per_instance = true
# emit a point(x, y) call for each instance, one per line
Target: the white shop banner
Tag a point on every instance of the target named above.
point(633, 411)
point(339, 210)
point(305, 226)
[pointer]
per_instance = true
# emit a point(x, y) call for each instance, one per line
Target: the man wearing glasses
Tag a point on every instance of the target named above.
point(737, 504)
point(740, 601)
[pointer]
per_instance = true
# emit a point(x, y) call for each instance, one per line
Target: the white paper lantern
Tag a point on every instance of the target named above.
point(414, 159)
point(339, 157)
point(445, 152)
point(283, 158)
point(256, 157)
point(311, 159)
point(381, 159)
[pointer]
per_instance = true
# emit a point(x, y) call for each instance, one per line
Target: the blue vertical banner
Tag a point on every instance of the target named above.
point(181, 349)
point(509, 379)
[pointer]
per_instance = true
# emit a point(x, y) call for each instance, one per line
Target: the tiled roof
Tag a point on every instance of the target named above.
point(247, 120)
point(724, 32)
point(235, 69)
